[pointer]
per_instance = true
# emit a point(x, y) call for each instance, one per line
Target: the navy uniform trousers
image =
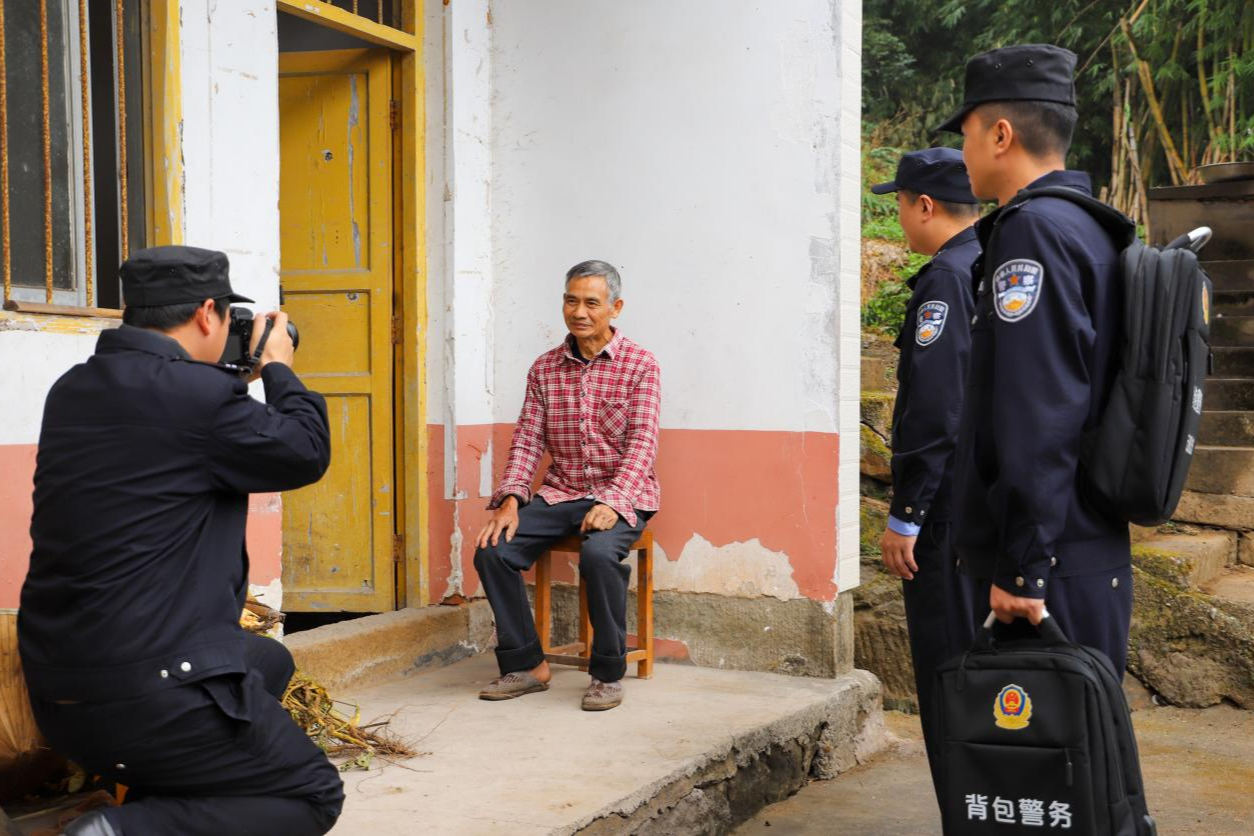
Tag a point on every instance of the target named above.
point(214, 757)
point(1093, 609)
point(940, 602)
point(601, 568)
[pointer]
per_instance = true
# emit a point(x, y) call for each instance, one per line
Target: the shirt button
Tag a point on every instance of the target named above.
point(185, 667)
point(975, 319)
point(120, 766)
point(1053, 561)
point(165, 674)
point(909, 510)
point(1019, 581)
point(1114, 583)
point(1040, 583)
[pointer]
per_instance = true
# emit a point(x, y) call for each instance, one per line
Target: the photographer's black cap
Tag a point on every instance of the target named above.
point(938, 173)
point(1028, 73)
point(176, 275)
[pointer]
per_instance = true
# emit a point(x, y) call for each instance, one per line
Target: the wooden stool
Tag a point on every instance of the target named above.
point(580, 652)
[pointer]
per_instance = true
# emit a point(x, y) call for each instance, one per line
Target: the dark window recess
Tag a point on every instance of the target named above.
point(27, 190)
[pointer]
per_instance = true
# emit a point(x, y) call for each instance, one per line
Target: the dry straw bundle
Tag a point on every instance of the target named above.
point(19, 736)
point(339, 732)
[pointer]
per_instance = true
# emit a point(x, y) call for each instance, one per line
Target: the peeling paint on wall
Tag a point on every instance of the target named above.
point(742, 570)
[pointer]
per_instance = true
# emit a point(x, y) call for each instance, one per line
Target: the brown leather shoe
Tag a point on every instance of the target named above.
point(602, 696)
point(512, 685)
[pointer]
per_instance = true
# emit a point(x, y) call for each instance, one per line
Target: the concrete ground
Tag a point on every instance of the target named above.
point(539, 764)
point(1198, 767)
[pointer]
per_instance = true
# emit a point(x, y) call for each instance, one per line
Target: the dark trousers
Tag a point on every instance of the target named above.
point(1093, 610)
point(601, 567)
point(941, 621)
point(213, 757)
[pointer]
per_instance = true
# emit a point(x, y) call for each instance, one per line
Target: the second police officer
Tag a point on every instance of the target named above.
point(936, 210)
point(1044, 355)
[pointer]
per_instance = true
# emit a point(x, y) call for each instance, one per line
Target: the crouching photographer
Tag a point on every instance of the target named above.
point(129, 622)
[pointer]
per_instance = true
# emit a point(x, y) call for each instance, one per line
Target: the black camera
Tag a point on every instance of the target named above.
point(239, 338)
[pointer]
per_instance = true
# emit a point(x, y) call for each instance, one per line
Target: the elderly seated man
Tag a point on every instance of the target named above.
point(592, 403)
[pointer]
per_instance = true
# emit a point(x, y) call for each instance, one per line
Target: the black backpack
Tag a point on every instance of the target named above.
point(1037, 738)
point(1136, 459)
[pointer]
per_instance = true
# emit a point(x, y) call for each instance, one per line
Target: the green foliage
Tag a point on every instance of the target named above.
point(915, 51)
point(886, 309)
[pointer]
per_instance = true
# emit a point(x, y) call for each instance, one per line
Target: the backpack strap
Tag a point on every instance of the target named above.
point(1118, 225)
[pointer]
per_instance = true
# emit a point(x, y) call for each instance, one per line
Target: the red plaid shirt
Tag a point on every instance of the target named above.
point(599, 420)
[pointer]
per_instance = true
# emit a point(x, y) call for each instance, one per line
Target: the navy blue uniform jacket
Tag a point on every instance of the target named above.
point(935, 342)
point(1044, 354)
point(145, 463)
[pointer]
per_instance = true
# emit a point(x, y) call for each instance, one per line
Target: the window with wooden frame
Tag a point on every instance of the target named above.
point(72, 149)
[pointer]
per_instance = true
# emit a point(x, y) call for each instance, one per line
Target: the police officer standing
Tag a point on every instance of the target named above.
point(129, 622)
point(1044, 354)
point(936, 210)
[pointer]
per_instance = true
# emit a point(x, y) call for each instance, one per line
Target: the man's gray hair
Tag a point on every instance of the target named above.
point(585, 269)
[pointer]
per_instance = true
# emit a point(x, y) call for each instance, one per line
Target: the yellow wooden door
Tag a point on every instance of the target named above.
point(335, 208)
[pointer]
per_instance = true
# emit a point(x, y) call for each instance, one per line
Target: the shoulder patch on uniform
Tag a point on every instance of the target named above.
point(1017, 288)
point(932, 316)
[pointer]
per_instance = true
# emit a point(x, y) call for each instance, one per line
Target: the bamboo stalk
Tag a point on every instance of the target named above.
point(1201, 74)
point(1175, 165)
point(1232, 106)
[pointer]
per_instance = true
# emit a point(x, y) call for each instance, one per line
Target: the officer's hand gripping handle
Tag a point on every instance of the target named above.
point(986, 638)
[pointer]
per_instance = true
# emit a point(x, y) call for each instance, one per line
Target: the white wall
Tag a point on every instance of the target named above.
point(697, 147)
point(231, 138)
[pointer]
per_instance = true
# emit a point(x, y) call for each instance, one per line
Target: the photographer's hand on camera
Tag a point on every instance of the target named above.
point(278, 348)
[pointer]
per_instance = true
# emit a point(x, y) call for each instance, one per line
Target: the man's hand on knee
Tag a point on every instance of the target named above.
point(600, 518)
point(504, 521)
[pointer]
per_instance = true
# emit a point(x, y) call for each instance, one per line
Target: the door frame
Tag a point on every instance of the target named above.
point(409, 304)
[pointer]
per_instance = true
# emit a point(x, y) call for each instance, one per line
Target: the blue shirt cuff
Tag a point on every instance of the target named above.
point(905, 529)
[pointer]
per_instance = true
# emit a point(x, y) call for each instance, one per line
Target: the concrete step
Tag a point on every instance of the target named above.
point(1227, 428)
point(1234, 584)
point(692, 750)
point(1222, 470)
point(1233, 302)
point(1196, 557)
point(1232, 330)
point(377, 648)
point(1194, 648)
point(1224, 511)
point(1228, 393)
point(1230, 275)
point(1234, 361)
point(879, 374)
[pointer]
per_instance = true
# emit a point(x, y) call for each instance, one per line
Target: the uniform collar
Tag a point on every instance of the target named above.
point(965, 236)
point(1071, 179)
point(609, 351)
point(1077, 180)
point(130, 338)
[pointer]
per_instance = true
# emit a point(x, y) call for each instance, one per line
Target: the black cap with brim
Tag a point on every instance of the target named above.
point(939, 173)
point(176, 275)
point(1029, 73)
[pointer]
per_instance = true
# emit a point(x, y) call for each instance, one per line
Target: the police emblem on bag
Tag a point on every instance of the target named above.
point(1013, 708)
point(1017, 288)
point(932, 316)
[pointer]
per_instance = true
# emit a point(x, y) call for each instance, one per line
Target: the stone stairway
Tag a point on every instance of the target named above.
point(1193, 628)
point(1224, 463)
